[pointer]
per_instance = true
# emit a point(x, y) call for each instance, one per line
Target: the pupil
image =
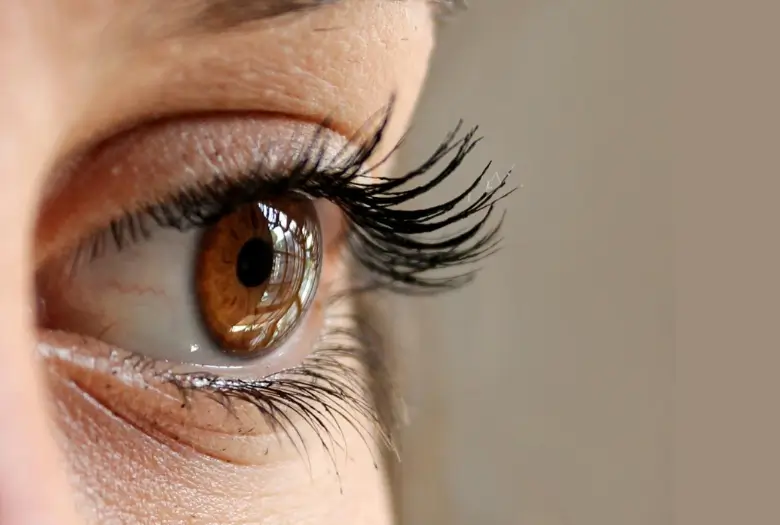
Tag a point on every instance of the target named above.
point(254, 263)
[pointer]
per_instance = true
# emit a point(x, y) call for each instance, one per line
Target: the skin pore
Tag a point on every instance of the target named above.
point(78, 73)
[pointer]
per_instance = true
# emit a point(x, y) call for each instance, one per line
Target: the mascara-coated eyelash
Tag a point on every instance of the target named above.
point(388, 238)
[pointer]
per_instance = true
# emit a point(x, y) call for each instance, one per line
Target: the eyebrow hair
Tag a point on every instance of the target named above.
point(226, 14)
point(221, 15)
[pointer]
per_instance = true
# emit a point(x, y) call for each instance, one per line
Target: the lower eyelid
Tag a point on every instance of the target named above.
point(237, 435)
point(236, 432)
point(240, 434)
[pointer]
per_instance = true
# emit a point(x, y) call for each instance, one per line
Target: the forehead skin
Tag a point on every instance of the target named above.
point(74, 73)
point(342, 61)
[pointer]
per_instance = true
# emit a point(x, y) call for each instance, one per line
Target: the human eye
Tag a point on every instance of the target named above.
point(229, 285)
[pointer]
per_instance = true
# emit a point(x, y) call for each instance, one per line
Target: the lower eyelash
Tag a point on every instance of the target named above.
point(330, 388)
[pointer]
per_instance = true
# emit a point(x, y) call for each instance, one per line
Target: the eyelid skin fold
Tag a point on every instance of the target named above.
point(143, 165)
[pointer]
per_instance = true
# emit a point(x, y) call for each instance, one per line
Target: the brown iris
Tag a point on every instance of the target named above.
point(257, 273)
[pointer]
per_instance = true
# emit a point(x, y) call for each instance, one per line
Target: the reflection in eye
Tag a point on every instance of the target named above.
point(257, 273)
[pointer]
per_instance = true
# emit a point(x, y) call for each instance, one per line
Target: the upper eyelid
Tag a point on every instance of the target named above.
point(143, 165)
point(295, 71)
point(307, 155)
point(389, 242)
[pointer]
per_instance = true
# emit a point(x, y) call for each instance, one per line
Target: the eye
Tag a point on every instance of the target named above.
point(230, 269)
point(217, 295)
point(222, 260)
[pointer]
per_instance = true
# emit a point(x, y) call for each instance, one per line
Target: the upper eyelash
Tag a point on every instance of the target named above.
point(388, 240)
point(448, 7)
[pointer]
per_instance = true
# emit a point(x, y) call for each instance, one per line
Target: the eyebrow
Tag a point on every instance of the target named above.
point(222, 15)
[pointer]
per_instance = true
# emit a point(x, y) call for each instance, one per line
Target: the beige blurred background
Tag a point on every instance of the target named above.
point(549, 396)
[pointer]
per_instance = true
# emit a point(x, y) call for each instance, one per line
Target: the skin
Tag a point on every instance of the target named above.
point(76, 73)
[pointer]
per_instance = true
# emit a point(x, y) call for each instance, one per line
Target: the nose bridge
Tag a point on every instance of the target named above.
point(30, 66)
point(32, 482)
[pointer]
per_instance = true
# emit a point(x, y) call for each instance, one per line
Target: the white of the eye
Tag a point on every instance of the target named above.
point(142, 299)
